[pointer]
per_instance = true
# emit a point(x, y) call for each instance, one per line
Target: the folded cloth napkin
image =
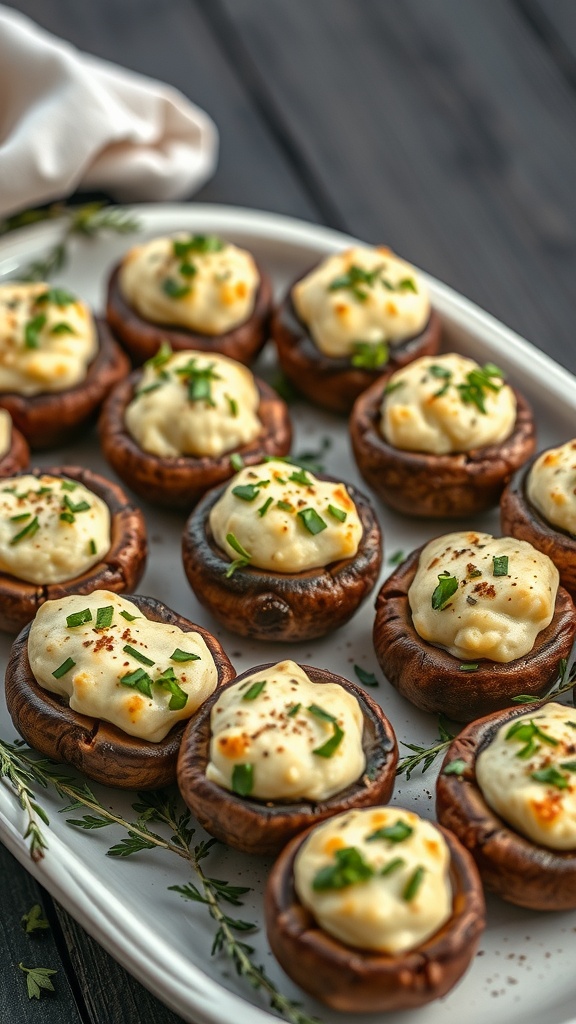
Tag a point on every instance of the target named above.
point(69, 121)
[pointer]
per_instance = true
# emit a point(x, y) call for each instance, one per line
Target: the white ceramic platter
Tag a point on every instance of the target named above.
point(524, 970)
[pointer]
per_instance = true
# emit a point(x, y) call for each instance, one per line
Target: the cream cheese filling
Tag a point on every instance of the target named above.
point(551, 486)
point(279, 736)
point(47, 339)
point(52, 529)
point(362, 296)
point(285, 519)
point(376, 879)
point(480, 596)
point(193, 404)
point(198, 282)
point(445, 404)
point(113, 663)
point(527, 774)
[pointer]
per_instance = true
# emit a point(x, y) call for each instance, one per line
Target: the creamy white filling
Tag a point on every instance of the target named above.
point(5, 432)
point(361, 295)
point(551, 486)
point(275, 722)
point(194, 404)
point(51, 529)
point(445, 404)
point(194, 281)
point(285, 519)
point(101, 668)
point(480, 596)
point(405, 895)
point(47, 339)
point(541, 744)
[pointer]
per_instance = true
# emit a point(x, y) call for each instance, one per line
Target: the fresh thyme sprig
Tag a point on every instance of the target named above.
point(425, 756)
point(87, 220)
point(21, 767)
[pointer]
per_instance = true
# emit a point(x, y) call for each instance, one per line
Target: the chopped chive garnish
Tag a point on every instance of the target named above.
point(232, 405)
point(264, 508)
point(368, 356)
point(500, 565)
point(285, 506)
point(79, 618)
point(92, 546)
point(67, 517)
point(338, 513)
point(63, 668)
point(312, 521)
point(173, 290)
point(469, 666)
point(240, 562)
point(551, 777)
point(68, 485)
point(254, 691)
point(247, 492)
point(392, 866)
point(243, 779)
point(413, 884)
point(237, 462)
point(179, 655)
point(294, 710)
point(168, 681)
point(62, 328)
point(137, 654)
point(128, 617)
point(163, 355)
point(81, 506)
point(327, 749)
point(104, 616)
point(20, 518)
point(138, 680)
point(395, 833)
point(366, 678)
point(447, 586)
point(299, 477)
point(28, 531)
point(396, 558)
point(569, 766)
point(393, 385)
point(59, 296)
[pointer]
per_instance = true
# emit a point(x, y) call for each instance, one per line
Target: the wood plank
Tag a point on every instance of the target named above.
point(174, 44)
point(442, 128)
point(18, 893)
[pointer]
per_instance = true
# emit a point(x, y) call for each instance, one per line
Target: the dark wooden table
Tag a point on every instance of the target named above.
point(446, 129)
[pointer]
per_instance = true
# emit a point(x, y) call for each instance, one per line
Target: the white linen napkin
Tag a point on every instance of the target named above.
point(70, 121)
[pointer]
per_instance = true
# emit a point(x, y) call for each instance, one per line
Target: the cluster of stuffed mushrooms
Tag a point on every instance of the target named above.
point(368, 906)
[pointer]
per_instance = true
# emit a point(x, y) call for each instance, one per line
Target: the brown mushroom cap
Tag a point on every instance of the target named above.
point(179, 482)
point(520, 519)
point(510, 865)
point(17, 457)
point(436, 486)
point(142, 338)
point(360, 981)
point(120, 570)
point(54, 418)
point(101, 750)
point(264, 827)
point(432, 679)
point(288, 607)
point(334, 383)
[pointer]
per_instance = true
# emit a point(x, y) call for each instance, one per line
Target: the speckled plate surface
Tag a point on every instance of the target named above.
point(524, 970)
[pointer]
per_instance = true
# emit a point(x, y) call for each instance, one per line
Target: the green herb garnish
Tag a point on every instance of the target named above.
point(68, 485)
point(237, 462)
point(469, 666)
point(396, 833)
point(37, 980)
point(327, 749)
point(477, 382)
point(338, 513)
point(243, 779)
point(79, 618)
point(28, 531)
point(138, 680)
point(20, 518)
point(62, 328)
point(174, 290)
point(232, 405)
point(81, 506)
point(447, 586)
point(353, 280)
point(294, 710)
point(500, 565)
point(63, 668)
point(551, 777)
point(162, 356)
point(368, 356)
point(366, 678)
point(167, 680)
point(32, 331)
point(128, 617)
point(242, 560)
point(392, 866)
point(312, 521)
point(456, 767)
point(104, 616)
point(264, 508)
point(413, 884)
point(299, 477)
point(285, 506)
point(254, 691)
point(67, 517)
point(349, 869)
point(137, 655)
point(58, 296)
point(181, 656)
